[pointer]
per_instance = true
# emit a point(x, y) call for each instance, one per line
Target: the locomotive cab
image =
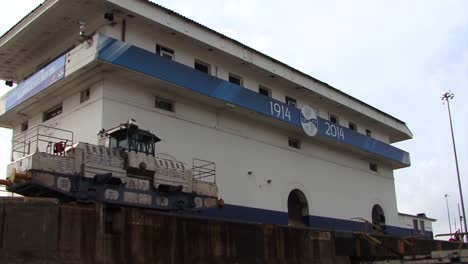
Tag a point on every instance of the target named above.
point(129, 137)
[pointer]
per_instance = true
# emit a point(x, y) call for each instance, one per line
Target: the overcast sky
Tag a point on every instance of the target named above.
point(399, 56)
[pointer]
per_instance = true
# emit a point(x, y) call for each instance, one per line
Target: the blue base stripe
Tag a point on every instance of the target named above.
point(247, 214)
point(256, 215)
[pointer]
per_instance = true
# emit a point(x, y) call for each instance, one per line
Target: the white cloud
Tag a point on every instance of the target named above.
point(12, 12)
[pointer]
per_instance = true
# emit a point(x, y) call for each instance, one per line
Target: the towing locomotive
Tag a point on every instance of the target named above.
point(122, 169)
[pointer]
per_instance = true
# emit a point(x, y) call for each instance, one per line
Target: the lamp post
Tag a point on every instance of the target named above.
point(460, 218)
point(446, 97)
point(448, 212)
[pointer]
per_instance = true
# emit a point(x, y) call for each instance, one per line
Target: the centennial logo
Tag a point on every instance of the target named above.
point(309, 121)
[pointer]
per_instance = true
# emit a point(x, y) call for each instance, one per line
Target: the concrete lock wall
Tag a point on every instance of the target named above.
point(35, 230)
point(44, 231)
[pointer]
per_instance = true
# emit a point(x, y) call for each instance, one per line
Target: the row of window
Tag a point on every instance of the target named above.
point(236, 79)
point(84, 96)
point(49, 114)
point(296, 143)
point(57, 110)
point(351, 125)
point(262, 90)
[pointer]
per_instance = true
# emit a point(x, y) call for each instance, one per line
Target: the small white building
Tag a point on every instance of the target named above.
point(288, 148)
point(418, 224)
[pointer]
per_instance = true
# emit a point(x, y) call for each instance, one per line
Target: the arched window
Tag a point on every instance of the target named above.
point(298, 209)
point(378, 217)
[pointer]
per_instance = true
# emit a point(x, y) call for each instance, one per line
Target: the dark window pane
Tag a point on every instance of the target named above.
point(164, 104)
point(167, 56)
point(84, 95)
point(291, 101)
point(203, 67)
point(164, 52)
point(294, 143)
point(52, 113)
point(415, 225)
point(24, 126)
point(264, 91)
point(235, 79)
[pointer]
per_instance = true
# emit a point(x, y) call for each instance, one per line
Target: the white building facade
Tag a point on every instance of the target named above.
point(211, 97)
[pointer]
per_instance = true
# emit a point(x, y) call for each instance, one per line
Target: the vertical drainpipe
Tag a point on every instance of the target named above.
point(124, 29)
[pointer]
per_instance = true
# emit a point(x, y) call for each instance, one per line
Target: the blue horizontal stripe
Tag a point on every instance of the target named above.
point(256, 215)
point(38, 82)
point(246, 214)
point(143, 61)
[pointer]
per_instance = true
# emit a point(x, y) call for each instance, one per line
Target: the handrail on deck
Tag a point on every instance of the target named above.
point(28, 141)
point(204, 170)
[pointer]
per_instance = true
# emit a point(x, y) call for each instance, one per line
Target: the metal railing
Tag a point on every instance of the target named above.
point(204, 170)
point(5, 193)
point(39, 138)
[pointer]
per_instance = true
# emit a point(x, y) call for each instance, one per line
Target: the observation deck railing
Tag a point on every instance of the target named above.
point(39, 138)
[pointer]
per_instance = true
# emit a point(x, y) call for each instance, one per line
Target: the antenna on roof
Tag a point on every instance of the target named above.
point(84, 37)
point(82, 28)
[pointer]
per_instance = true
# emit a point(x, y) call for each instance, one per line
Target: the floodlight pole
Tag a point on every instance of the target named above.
point(446, 97)
point(448, 212)
point(460, 218)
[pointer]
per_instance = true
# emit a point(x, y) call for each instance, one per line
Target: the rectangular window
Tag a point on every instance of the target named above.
point(164, 104)
point(84, 95)
point(24, 126)
point(352, 126)
point(333, 118)
point(373, 167)
point(422, 227)
point(57, 110)
point(202, 66)
point(294, 143)
point(264, 91)
point(368, 133)
point(415, 225)
point(164, 52)
point(291, 101)
point(235, 79)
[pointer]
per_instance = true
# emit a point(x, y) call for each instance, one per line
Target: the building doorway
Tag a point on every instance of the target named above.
point(298, 208)
point(378, 219)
